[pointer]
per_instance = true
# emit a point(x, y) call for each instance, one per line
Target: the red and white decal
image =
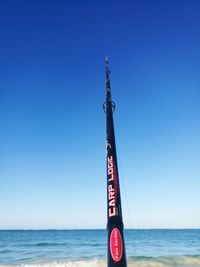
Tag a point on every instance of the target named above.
point(116, 246)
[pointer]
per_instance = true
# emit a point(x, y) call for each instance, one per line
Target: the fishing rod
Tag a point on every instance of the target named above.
point(116, 246)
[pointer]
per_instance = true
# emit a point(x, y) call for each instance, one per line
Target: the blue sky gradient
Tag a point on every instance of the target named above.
point(52, 86)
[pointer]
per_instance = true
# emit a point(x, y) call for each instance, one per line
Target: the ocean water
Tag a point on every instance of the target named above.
point(88, 248)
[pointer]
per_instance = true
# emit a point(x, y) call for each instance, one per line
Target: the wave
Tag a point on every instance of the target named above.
point(47, 244)
point(180, 261)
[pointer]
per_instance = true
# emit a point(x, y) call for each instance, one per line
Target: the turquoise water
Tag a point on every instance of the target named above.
point(73, 248)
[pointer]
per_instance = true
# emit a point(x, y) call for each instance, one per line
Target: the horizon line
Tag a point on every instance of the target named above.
point(85, 229)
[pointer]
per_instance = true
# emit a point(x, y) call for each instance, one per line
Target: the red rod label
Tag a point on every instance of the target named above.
point(116, 247)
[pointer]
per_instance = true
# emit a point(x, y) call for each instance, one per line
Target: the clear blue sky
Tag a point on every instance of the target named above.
point(52, 130)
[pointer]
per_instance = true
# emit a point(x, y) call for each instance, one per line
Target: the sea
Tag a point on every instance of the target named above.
point(88, 248)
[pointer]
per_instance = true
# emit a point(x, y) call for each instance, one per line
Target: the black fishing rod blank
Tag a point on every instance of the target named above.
point(116, 247)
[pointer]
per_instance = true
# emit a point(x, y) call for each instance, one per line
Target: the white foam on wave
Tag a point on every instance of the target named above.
point(184, 261)
point(80, 263)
